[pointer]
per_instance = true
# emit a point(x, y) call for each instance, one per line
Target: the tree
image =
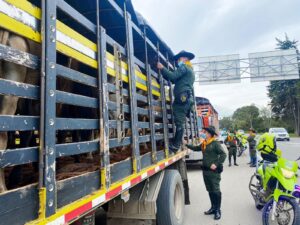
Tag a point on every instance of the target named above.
point(286, 44)
point(227, 123)
point(265, 114)
point(285, 94)
point(246, 117)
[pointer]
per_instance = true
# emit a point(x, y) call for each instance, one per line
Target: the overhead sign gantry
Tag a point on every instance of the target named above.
point(261, 66)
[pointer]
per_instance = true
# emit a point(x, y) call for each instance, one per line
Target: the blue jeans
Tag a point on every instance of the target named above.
point(253, 160)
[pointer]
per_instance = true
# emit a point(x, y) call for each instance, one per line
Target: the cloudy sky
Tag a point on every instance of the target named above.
point(218, 27)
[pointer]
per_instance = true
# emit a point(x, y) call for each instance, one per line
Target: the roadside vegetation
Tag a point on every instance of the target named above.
point(283, 110)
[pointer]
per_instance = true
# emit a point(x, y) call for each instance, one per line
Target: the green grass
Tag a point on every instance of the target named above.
point(293, 135)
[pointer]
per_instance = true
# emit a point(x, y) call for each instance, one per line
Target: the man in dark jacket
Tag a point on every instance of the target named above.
point(213, 159)
point(252, 147)
point(183, 77)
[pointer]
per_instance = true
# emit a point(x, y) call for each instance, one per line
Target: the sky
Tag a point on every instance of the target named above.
point(220, 27)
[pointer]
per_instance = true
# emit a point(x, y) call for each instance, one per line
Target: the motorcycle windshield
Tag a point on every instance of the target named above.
point(288, 165)
point(287, 173)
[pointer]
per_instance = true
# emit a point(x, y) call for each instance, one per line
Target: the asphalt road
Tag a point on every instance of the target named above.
point(238, 206)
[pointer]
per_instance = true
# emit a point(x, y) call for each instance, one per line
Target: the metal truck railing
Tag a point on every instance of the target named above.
point(116, 98)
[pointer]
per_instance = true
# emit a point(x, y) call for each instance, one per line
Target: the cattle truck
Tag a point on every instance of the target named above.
point(85, 116)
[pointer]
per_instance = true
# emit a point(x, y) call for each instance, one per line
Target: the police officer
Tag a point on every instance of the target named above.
point(183, 77)
point(213, 159)
point(252, 147)
point(231, 143)
point(268, 148)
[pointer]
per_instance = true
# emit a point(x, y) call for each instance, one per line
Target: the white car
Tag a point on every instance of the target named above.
point(241, 132)
point(280, 133)
point(193, 157)
point(222, 136)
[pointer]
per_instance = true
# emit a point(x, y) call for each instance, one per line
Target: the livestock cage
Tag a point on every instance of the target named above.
point(85, 114)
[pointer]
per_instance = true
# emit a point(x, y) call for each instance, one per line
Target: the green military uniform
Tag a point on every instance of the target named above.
point(252, 145)
point(213, 154)
point(231, 144)
point(183, 78)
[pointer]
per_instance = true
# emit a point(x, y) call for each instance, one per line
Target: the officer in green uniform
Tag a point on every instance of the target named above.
point(231, 144)
point(183, 77)
point(213, 159)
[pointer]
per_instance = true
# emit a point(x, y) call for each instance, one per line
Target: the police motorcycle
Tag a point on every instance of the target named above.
point(273, 185)
point(296, 192)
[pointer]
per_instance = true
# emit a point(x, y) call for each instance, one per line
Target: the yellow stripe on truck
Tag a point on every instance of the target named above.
point(76, 36)
point(76, 204)
point(27, 7)
point(26, 31)
point(75, 54)
point(18, 27)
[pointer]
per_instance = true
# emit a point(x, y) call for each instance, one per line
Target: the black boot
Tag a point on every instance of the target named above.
point(212, 201)
point(173, 148)
point(229, 161)
point(234, 158)
point(177, 140)
point(217, 214)
point(218, 196)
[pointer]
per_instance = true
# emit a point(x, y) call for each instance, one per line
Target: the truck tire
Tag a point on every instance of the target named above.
point(170, 201)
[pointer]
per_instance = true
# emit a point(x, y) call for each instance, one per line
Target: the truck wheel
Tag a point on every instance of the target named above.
point(170, 202)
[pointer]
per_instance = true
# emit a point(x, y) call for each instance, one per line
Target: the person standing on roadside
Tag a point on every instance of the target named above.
point(231, 144)
point(213, 159)
point(252, 147)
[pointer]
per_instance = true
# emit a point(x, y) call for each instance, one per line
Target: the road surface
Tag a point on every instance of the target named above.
point(237, 206)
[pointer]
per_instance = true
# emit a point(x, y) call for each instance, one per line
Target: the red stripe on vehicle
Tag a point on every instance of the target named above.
point(113, 193)
point(136, 180)
point(151, 172)
point(77, 212)
point(162, 166)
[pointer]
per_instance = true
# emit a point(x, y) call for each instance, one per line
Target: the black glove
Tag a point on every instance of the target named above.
point(220, 168)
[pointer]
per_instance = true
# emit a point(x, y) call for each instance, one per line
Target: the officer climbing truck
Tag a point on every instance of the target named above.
point(86, 117)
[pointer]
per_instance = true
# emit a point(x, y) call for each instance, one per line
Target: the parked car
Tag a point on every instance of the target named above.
point(241, 131)
point(222, 136)
point(280, 133)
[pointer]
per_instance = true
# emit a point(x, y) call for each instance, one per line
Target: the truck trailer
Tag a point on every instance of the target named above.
point(86, 118)
point(207, 116)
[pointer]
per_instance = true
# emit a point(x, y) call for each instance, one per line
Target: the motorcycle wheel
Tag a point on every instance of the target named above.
point(287, 212)
point(258, 206)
